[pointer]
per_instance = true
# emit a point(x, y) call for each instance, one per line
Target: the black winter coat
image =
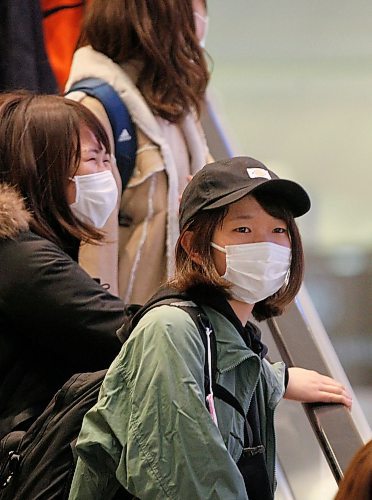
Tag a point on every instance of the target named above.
point(54, 319)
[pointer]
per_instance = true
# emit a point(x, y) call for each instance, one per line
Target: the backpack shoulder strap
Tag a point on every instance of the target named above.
point(212, 388)
point(208, 338)
point(207, 335)
point(203, 325)
point(120, 120)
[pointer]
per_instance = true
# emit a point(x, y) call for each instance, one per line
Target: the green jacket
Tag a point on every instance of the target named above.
point(151, 431)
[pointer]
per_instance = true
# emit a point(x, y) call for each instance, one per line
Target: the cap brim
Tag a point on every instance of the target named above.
point(293, 194)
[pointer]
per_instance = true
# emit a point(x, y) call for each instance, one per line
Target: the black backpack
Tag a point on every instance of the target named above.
point(39, 464)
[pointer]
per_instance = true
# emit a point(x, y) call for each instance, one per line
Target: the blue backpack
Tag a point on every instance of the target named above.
point(120, 120)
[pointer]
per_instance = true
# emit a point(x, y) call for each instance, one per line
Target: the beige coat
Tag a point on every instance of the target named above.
point(139, 254)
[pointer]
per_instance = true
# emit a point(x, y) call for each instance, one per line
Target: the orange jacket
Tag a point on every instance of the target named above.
point(61, 25)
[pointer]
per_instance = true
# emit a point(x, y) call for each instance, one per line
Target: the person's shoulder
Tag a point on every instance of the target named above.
point(18, 256)
point(28, 253)
point(167, 316)
point(34, 246)
point(168, 324)
point(20, 248)
point(164, 333)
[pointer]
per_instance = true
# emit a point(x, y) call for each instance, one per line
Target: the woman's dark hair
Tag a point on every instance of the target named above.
point(160, 36)
point(357, 482)
point(189, 274)
point(39, 152)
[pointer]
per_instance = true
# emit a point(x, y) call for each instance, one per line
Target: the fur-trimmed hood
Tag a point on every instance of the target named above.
point(14, 217)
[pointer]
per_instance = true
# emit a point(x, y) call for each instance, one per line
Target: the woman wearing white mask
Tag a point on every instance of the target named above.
point(158, 429)
point(151, 53)
point(55, 319)
point(93, 192)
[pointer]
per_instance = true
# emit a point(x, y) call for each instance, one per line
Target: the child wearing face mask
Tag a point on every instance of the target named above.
point(158, 429)
point(151, 53)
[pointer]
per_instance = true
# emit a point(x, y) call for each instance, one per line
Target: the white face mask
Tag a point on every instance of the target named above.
point(205, 21)
point(96, 197)
point(256, 270)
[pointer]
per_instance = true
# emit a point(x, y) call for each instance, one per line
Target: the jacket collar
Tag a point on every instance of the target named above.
point(14, 217)
point(212, 297)
point(230, 343)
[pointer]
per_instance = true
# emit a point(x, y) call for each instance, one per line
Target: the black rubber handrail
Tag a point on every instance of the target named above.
point(333, 424)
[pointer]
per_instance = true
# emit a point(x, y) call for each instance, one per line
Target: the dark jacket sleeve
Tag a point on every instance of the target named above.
point(54, 305)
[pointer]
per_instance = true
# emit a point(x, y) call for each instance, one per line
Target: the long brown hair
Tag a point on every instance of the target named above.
point(160, 35)
point(357, 482)
point(189, 274)
point(39, 151)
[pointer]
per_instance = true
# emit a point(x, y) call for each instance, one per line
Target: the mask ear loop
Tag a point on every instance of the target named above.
point(217, 247)
point(287, 276)
point(286, 279)
point(205, 20)
point(73, 179)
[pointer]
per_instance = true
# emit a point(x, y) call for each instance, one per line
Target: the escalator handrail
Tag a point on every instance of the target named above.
point(300, 338)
